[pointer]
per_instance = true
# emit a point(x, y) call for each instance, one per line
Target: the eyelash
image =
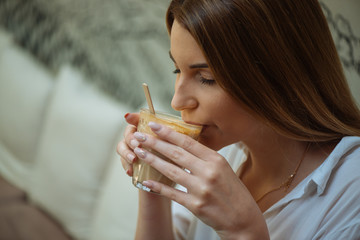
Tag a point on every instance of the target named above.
point(203, 80)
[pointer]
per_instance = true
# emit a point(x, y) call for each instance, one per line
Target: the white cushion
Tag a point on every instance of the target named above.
point(78, 140)
point(25, 87)
point(116, 213)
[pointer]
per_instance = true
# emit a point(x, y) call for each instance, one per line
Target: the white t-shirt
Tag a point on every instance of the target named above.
point(325, 205)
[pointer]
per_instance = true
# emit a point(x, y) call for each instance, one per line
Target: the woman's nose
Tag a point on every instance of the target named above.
point(184, 98)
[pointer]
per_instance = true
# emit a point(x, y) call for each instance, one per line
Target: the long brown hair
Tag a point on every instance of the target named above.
point(278, 59)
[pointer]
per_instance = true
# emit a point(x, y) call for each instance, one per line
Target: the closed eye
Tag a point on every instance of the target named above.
point(207, 81)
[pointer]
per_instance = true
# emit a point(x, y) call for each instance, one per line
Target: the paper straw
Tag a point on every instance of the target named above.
point(148, 98)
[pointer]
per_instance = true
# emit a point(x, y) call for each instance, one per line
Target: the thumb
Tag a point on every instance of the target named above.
point(132, 118)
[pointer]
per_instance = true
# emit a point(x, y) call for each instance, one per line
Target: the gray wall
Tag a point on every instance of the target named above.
point(344, 21)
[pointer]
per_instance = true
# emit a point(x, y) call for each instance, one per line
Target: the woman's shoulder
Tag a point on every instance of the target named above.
point(348, 144)
point(341, 197)
point(343, 164)
point(347, 155)
point(338, 178)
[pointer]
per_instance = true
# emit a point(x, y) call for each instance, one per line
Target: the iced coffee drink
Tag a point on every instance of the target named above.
point(143, 171)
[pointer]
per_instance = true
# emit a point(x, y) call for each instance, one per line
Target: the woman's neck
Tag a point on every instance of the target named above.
point(273, 160)
point(276, 158)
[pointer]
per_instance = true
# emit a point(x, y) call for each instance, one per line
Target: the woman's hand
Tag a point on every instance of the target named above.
point(214, 193)
point(124, 148)
point(153, 222)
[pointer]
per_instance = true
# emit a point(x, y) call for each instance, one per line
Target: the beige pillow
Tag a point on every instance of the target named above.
point(25, 88)
point(116, 213)
point(76, 146)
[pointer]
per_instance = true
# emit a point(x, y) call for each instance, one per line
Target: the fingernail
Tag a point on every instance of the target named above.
point(154, 126)
point(140, 136)
point(126, 115)
point(140, 153)
point(148, 184)
point(130, 157)
point(134, 143)
point(128, 172)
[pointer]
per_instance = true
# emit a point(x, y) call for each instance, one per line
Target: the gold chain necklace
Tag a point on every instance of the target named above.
point(286, 184)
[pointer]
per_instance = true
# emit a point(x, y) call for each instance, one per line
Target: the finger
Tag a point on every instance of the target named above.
point(173, 172)
point(175, 153)
point(128, 135)
point(132, 118)
point(127, 157)
point(127, 167)
point(130, 129)
point(181, 140)
point(174, 194)
point(125, 152)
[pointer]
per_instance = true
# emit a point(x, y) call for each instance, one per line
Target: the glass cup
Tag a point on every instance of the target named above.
point(143, 171)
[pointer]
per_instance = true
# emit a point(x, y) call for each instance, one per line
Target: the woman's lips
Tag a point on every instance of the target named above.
point(193, 123)
point(204, 126)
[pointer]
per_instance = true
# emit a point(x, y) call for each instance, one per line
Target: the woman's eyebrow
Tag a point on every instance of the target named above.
point(199, 65)
point(196, 65)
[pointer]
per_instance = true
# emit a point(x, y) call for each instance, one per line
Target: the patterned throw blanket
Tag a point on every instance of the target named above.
point(116, 44)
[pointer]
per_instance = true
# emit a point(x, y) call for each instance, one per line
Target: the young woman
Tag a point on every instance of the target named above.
point(263, 78)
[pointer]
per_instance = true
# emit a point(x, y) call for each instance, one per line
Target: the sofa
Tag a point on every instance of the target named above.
point(60, 176)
